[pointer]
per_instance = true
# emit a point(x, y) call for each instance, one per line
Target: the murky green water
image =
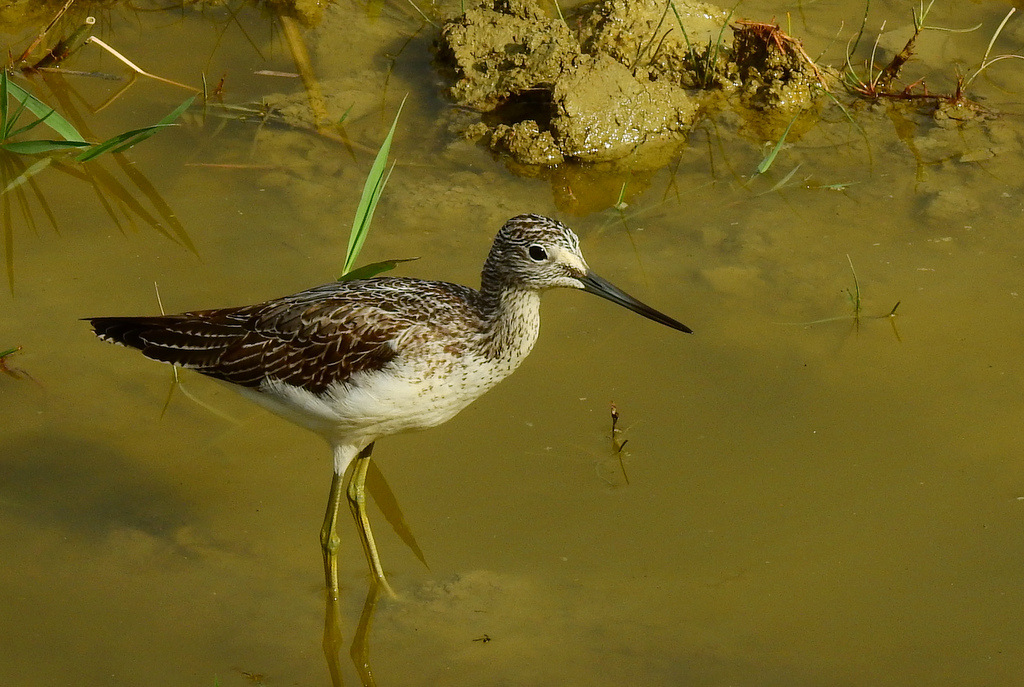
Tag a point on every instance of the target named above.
point(819, 504)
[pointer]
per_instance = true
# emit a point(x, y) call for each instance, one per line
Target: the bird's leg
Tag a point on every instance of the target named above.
point(357, 504)
point(329, 539)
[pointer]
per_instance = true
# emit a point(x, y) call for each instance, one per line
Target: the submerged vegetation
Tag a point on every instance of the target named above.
point(36, 137)
point(881, 81)
point(856, 315)
point(70, 138)
point(51, 133)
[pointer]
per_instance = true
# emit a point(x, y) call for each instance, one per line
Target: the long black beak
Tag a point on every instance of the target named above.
point(605, 289)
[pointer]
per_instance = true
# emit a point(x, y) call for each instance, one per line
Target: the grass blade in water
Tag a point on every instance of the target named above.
point(127, 139)
point(372, 190)
point(43, 111)
point(766, 163)
point(37, 147)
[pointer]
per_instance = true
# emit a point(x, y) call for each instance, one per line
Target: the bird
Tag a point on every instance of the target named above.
point(358, 360)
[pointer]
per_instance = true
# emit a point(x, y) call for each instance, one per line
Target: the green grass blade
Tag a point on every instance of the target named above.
point(37, 147)
point(61, 126)
point(373, 269)
point(721, 32)
point(10, 119)
point(121, 141)
point(28, 127)
point(344, 115)
point(620, 204)
point(372, 190)
point(127, 139)
point(766, 163)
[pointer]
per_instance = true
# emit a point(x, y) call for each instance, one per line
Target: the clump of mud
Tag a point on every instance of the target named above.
point(628, 79)
point(655, 39)
point(771, 68)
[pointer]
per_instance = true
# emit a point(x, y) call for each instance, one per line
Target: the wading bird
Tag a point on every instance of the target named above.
point(358, 360)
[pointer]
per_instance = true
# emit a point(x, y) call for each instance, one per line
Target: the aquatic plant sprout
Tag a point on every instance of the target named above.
point(372, 190)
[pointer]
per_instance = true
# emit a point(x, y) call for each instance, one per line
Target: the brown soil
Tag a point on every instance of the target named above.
point(617, 78)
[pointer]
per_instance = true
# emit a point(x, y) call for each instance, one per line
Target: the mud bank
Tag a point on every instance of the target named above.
point(615, 78)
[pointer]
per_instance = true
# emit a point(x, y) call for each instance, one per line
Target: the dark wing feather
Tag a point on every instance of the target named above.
point(311, 339)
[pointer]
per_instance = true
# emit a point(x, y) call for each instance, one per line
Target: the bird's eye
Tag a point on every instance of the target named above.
point(538, 253)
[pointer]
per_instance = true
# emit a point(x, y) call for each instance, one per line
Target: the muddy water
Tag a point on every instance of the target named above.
point(810, 501)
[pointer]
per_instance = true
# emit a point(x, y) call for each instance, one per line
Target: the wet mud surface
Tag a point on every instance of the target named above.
point(613, 79)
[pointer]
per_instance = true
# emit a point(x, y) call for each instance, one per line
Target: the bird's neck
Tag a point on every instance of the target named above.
point(513, 323)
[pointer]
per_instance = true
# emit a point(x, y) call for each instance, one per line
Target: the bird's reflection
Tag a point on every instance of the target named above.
point(360, 649)
point(333, 641)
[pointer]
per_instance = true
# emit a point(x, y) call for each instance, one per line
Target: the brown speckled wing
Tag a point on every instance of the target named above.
point(310, 339)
